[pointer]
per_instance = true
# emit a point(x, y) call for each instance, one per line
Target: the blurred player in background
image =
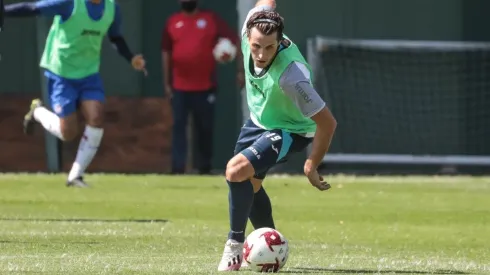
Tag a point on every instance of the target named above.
point(287, 114)
point(189, 69)
point(71, 60)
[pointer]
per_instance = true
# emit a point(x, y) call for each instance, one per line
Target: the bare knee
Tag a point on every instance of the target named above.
point(69, 135)
point(69, 127)
point(95, 120)
point(93, 112)
point(239, 169)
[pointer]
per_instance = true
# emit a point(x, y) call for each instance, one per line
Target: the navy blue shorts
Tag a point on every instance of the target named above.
point(265, 148)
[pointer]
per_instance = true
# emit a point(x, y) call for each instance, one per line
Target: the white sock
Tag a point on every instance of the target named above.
point(49, 121)
point(86, 151)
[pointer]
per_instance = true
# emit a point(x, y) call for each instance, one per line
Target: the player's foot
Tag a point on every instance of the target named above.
point(29, 120)
point(78, 182)
point(232, 256)
point(244, 264)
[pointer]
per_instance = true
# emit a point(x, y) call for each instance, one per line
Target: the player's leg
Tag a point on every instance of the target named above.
point(240, 197)
point(63, 124)
point(254, 159)
point(180, 113)
point(261, 212)
point(202, 105)
point(92, 107)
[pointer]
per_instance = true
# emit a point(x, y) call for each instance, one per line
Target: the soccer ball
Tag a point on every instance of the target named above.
point(265, 250)
point(224, 50)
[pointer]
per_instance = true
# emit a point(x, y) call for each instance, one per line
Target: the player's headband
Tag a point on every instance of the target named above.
point(265, 20)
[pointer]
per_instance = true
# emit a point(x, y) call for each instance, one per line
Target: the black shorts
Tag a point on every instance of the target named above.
point(265, 148)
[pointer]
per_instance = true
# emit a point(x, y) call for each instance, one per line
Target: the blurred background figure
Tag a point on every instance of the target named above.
point(189, 68)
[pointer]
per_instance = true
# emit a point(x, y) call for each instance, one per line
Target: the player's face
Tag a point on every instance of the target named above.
point(263, 47)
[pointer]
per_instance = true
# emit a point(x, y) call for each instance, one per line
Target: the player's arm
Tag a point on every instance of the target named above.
point(117, 39)
point(115, 36)
point(296, 83)
point(47, 8)
point(325, 128)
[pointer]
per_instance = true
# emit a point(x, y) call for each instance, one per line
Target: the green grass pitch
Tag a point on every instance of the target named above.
point(363, 225)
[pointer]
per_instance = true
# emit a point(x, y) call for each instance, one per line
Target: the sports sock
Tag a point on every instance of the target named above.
point(86, 151)
point(49, 121)
point(240, 198)
point(261, 213)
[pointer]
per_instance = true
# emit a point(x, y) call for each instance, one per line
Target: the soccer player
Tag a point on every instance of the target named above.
point(71, 61)
point(286, 115)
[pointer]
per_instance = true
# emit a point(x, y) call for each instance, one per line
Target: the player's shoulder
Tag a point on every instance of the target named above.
point(174, 17)
point(295, 72)
point(172, 20)
point(117, 6)
point(211, 15)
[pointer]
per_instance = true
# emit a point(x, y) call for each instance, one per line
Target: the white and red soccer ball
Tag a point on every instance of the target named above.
point(265, 250)
point(224, 51)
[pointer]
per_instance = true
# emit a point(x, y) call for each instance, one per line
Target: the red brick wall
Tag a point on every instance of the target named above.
point(136, 139)
point(17, 151)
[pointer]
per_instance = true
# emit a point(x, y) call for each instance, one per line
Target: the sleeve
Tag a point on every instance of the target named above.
point(250, 13)
point(48, 8)
point(166, 43)
point(115, 28)
point(52, 8)
point(296, 84)
point(116, 37)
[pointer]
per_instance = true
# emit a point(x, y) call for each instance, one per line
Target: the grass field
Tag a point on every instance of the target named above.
point(178, 225)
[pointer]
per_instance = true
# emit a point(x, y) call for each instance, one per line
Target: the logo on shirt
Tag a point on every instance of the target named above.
point(256, 87)
point(303, 93)
point(179, 24)
point(201, 23)
point(86, 32)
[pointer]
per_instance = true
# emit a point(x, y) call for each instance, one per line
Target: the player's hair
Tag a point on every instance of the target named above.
point(267, 22)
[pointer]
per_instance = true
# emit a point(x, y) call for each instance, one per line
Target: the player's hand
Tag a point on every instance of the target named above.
point(315, 179)
point(139, 63)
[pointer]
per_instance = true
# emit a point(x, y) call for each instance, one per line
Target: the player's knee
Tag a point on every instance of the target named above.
point(93, 112)
point(69, 127)
point(96, 120)
point(69, 133)
point(239, 169)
